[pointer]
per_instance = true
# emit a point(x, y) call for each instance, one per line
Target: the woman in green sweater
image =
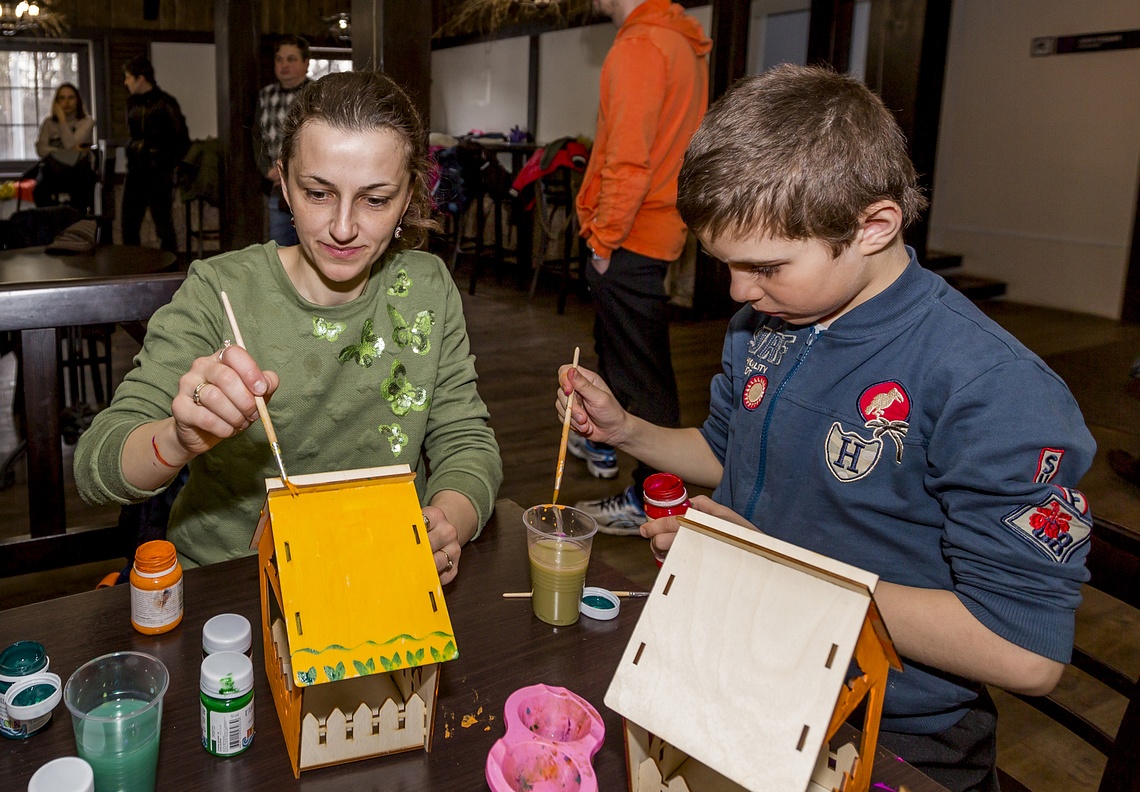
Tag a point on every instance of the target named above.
point(358, 340)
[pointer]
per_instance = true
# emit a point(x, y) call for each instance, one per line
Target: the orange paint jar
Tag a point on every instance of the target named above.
point(156, 588)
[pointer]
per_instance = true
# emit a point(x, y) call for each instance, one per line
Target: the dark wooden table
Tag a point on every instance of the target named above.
point(41, 293)
point(35, 266)
point(502, 647)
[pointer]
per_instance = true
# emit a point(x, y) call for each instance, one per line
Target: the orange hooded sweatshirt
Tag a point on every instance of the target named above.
point(654, 92)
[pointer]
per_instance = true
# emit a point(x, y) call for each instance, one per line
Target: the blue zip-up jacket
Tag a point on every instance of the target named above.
point(916, 439)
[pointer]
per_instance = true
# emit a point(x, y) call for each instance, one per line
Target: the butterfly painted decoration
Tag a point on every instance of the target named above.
point(364, 669)
point(402, 285)
point(330, 331)
point(307, 677)
point(404, 395)
point(396, 437)
point(369, 348)
point(415, 335)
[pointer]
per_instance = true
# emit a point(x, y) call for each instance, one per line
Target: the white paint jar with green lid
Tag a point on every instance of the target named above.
point(226, 684)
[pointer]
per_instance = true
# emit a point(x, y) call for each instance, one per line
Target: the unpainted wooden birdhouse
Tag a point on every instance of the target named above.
point(353, 618)
point(737, 676)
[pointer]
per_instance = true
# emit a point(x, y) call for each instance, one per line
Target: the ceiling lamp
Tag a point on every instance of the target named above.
point(34, 16)
point(340, 26)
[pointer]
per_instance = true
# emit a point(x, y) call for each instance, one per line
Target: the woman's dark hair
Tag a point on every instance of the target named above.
point(363, 101)
point(79, 111)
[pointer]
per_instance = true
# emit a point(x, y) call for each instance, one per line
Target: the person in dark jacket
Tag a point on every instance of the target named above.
point(159, 140)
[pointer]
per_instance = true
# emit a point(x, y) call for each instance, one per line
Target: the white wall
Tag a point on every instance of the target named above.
point(480, 86)
point(1038, 158)
point(569, 68)
point(484, 86)
point(188, 73)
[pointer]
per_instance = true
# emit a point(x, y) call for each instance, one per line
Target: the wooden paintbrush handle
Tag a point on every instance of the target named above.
point(262, 409)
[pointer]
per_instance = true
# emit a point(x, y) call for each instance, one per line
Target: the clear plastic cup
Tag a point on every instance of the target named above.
point(559, 539)
point(116, 711)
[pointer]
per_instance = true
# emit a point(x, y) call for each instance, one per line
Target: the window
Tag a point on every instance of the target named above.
point(326, 60)
point(30, 71)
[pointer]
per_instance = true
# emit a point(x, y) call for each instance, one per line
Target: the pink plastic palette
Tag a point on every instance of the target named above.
point(552, 736)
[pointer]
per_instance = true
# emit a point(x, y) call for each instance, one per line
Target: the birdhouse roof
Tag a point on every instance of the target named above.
point(359, 589)
point(742, 648)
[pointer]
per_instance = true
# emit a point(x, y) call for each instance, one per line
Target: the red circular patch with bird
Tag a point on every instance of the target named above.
point(754, 391)
point(885, 401)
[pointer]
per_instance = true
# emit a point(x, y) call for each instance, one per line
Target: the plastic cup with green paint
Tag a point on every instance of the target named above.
point(559, 539)
point(116, 712)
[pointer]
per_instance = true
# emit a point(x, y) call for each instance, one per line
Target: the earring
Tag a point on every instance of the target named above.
point(399, 232)
point(292, 222)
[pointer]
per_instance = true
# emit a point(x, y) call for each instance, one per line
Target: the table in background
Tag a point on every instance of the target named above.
point(519, 152)
point(40, 293)
point(502, 647)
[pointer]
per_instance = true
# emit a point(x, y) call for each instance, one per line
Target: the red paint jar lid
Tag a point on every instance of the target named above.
point(664, 489)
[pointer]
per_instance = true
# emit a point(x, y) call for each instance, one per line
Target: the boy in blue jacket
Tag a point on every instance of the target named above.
point(869, 412)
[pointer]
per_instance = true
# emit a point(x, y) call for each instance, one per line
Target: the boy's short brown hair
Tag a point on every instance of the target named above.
point(797, 152)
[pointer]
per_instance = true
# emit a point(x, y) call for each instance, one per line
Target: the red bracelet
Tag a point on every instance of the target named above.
point(154, 445)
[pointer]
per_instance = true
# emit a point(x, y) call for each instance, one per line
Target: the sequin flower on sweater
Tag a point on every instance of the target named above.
point(369, 348)
point(330, 331)
point(414, 335)
point(395, 435)
point(403, 395)
point(402, 285)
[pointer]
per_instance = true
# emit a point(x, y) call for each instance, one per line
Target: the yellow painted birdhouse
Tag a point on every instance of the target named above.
point(737, 674)
point(354, 622)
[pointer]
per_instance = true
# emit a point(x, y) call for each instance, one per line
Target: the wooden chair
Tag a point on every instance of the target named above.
point(555, 197)
point(37, 313)
point(1114, 564)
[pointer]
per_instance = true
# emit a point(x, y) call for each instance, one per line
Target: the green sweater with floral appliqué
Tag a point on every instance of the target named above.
point(385, 379)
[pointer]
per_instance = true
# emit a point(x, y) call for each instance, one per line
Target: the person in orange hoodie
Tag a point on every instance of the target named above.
point(654, 92)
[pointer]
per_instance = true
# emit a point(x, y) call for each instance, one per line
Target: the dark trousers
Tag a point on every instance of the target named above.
point(631, 338)
point(78, 181)
point(962, 758)
point(149, 188)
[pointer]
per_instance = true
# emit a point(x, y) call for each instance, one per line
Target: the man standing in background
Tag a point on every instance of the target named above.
point(654, 92)
point(159, 141)
point(290, 67)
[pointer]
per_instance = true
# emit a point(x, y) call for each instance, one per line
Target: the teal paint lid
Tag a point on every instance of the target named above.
point(20, 659)
point(33, 696)
point(599, 603)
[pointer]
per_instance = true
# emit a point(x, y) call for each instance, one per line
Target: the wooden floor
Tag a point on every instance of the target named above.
point(520, 342)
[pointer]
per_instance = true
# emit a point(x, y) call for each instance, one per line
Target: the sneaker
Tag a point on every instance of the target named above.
point(619, 515)
point(601, 462)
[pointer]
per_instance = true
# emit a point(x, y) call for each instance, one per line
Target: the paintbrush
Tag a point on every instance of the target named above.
point(262, 409)
point(528, 594)
point(565, 436)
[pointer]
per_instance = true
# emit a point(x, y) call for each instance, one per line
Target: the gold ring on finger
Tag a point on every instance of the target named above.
point(198, 392)
point(225, 345)
point(450, 564)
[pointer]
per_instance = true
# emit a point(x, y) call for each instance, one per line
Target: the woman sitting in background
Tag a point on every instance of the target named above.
point(356, 339)
point(64, 148)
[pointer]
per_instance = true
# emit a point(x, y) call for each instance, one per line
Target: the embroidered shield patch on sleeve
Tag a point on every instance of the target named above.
point(1056, 527)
